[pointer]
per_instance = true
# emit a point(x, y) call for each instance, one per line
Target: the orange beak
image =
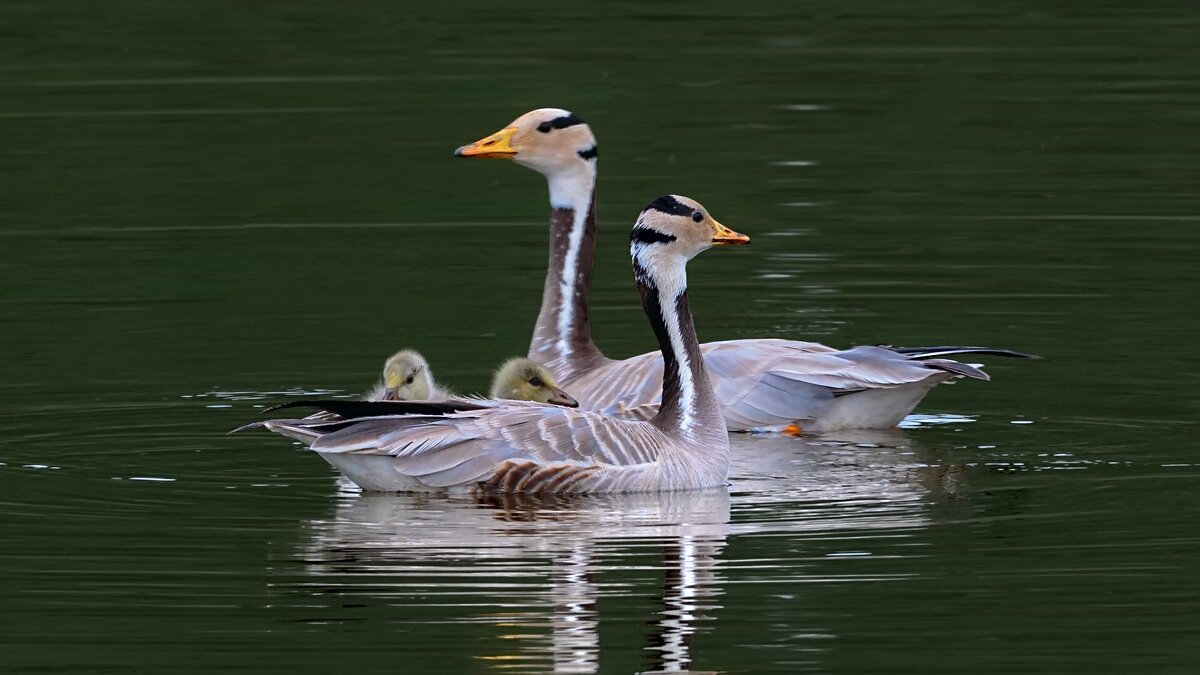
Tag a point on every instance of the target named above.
point(727, 237)
point(496, 146)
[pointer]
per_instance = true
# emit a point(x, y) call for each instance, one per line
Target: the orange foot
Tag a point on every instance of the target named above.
point(793, 430)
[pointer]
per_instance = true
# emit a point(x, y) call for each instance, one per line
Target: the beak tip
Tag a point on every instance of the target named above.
point(565, 400)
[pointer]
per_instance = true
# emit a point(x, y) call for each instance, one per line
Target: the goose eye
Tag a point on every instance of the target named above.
point(697, 216)
point(536, 381)
point(545, 127)
point(409, 380)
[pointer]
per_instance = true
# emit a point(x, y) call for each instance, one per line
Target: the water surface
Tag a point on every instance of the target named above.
point(210, 207)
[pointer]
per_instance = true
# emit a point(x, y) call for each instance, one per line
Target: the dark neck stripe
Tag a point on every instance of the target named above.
point(590, 153)
point(649, 235)
point(652, 302)
point(642, 277)
point(563, 122)
point(669, 205)
point(671, 411)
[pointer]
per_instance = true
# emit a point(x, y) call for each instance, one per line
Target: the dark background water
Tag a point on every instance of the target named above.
point(209, 205)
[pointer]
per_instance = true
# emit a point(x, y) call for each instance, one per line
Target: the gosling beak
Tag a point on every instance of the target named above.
point(727, 237)
point(389, 394)
point(560, 397)
point(496, 146)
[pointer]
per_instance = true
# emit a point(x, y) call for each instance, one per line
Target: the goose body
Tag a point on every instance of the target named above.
point(517, 446)
point(760, 384)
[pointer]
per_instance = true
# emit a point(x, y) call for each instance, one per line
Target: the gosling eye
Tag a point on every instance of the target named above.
point(697, 216)
point(537, 381)
point(545, 127)
point(409, 380)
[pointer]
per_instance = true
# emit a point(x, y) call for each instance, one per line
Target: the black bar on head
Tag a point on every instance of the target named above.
point(563, 122)
point(669, 205)
point(649, 235)
point(590, 153)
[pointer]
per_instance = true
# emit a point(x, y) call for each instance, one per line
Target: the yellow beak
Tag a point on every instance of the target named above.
point(496, 146)
point(727, 237)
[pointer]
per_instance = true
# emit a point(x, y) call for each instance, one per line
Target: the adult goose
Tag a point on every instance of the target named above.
point(760, 384)
point(517, 446)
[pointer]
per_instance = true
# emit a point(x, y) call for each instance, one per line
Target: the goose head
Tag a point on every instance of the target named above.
point(526, 380)
point(547, 140)
point(672, 230)
point(406, 377)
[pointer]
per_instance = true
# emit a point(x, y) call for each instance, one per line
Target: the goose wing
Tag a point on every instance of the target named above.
point(842, 372)
point(764, 382)
point(515, 445)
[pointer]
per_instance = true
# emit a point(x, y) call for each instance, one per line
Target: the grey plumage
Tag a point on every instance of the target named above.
point(765, 384)
point(519, 446)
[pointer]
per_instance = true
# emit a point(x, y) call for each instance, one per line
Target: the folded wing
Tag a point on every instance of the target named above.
point(513, 441)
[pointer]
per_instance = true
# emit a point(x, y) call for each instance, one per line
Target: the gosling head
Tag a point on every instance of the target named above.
point(406, 377)
point(525, 380)
point(547, 140)
point(672, 230)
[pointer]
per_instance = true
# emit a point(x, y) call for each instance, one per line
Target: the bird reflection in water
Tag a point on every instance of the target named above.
point(540, 559)
point(541, 566)
point(691, 584)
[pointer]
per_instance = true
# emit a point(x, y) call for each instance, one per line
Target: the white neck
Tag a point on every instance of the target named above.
point(571, 187)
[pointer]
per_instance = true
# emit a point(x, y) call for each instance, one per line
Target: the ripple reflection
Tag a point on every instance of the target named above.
point(538, 560)
point(533, 569)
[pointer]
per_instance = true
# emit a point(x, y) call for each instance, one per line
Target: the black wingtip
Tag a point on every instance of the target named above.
point(963, 369)
point(247, 427)
point(348, 408)
point(281, 406)
point(951, 350)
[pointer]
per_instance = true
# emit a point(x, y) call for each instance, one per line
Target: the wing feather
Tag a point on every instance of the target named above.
point(466, 446)
point(768, 382)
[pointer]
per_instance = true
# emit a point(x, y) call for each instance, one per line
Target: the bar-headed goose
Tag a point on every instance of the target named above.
point(518, 446)
point(761, 384)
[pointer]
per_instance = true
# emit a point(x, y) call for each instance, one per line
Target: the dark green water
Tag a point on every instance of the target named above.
point(211, 205)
